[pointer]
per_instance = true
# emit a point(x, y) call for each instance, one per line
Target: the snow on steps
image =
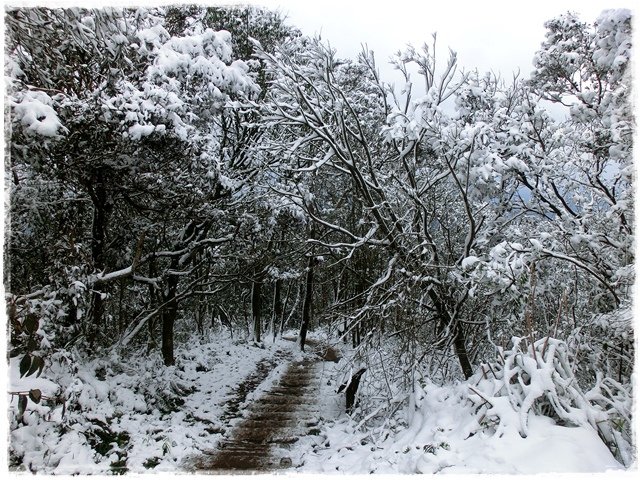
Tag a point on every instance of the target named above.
point(277, 419)
point(271, 423)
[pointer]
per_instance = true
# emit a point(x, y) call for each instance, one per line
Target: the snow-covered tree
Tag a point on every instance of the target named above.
point(397, 175)
point(121, 115)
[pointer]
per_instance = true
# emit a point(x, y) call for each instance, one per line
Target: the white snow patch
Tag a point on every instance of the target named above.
point(36, 115)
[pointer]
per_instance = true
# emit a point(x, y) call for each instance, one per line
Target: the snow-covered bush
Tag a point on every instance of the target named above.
point(538, 379)
point(440, 430)
point(41, 324)
point(97, 405)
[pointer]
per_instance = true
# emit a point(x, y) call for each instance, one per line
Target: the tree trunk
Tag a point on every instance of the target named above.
point(153, 301)
point(168, 321)
point(355, 335)
point(101, 210)
point(121, 320)
point(277, 307)
point(245, 315)
point(199, 304)
point(256, 308)
point(306, 305)
point(460, 348)
point(454, 331)
point(285, 321)
point(169, 315)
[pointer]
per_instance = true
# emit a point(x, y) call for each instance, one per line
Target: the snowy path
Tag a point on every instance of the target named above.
point(273, 422)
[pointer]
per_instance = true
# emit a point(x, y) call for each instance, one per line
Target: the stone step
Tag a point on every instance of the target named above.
point(268, 416)
point(232, 446)
point(301, 395)
point(308, 394)
point(301, 412)
point(232, 461)
point(279, 407)
point(260, 428)
point(303, 371)
point(300, 369)
point(291, 400)
point(258, 434)
point(271, 423)
point(295, 383)
point(276, 405)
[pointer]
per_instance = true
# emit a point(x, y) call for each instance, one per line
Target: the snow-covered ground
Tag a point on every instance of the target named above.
point(139, 414)
point(439, 430)
point(447, 439)
point(135, 399)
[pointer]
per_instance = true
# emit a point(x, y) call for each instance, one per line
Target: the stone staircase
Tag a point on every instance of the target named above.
point(271, 424)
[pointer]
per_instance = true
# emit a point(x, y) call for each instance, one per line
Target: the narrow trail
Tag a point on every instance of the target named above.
point(249, 384)
point(259, 441)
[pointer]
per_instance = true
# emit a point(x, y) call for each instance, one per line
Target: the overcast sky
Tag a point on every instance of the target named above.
point(489, 35)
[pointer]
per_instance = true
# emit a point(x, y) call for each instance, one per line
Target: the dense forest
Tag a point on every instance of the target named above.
point(184, 172)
